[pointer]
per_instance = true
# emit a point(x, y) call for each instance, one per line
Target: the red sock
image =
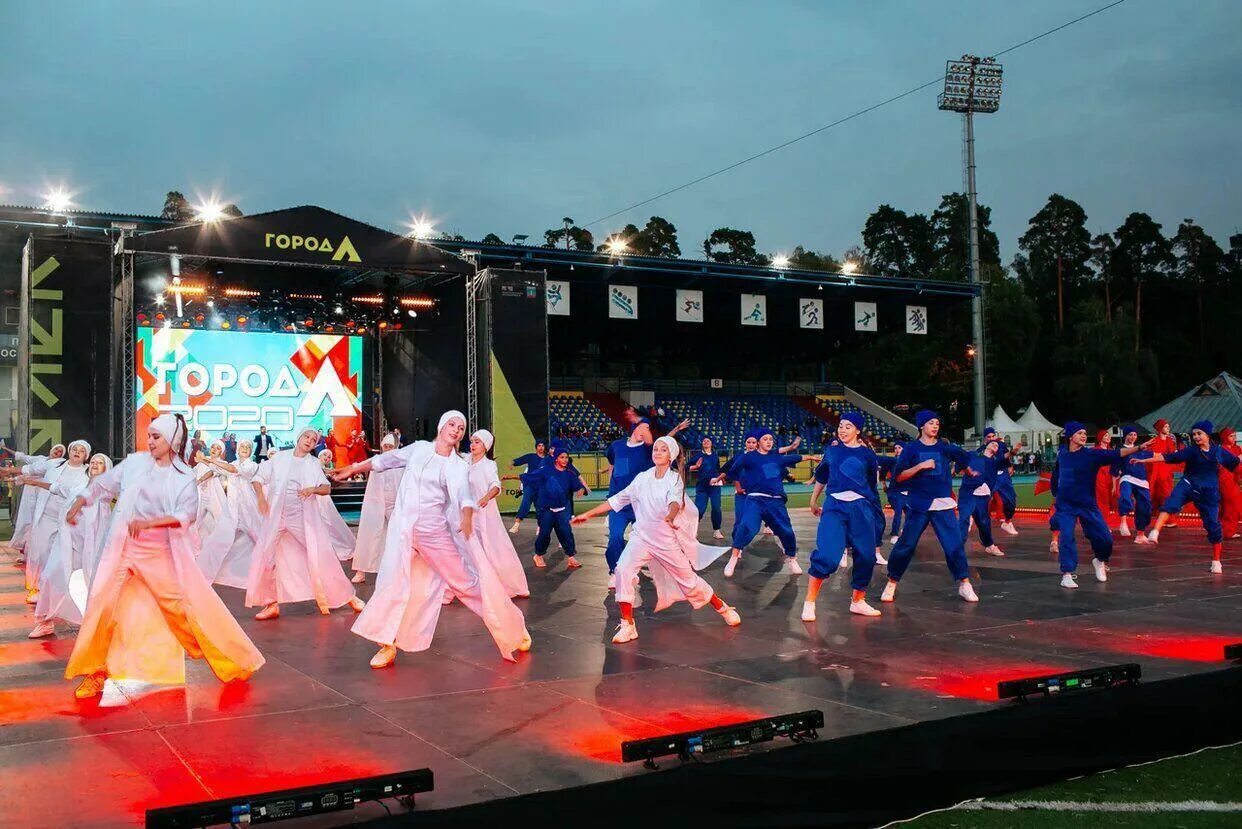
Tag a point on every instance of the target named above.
point(859, 596)
point(1216, 552)
point(627, 611)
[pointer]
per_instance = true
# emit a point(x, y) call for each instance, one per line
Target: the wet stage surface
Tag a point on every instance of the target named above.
point(488, 729)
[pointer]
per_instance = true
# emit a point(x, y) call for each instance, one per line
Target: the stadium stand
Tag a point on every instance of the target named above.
point(580, 423)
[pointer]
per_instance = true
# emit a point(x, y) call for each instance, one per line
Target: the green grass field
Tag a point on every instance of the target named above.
point(1211, 779)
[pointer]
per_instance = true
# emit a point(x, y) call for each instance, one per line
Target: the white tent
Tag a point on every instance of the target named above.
point(1008, 428)
point(1038, 428)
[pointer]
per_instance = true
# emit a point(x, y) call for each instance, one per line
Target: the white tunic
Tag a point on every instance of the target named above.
point(489, 528)
point(377, 505)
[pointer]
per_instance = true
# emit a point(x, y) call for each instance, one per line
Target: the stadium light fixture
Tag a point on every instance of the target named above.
point(616, 246)
point(849, 266)
point(780, 260)
point(973, 84)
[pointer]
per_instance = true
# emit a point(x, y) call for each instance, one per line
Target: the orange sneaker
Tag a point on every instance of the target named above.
point(269, 612)
point(91, 686)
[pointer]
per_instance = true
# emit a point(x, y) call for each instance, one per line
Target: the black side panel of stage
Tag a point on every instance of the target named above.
point(519, 345)
point(70, 323)
point(873, 778)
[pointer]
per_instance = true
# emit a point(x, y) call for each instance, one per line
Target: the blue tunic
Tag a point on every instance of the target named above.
point(1074, 476)
point(929, 484)
point(708, 469)
point(554, 487)
point(761, 474)
point(627, 463)
point(849, 469)
point(1202, 467)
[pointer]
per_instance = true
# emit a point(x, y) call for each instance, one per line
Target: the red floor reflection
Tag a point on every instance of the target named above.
point(1134, 642)
point(604, 744)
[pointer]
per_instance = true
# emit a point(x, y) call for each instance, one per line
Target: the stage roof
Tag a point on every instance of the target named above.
point(594, 264)
point(306, 235)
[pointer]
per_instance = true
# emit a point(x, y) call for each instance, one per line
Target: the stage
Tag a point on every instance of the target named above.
point(490, 729)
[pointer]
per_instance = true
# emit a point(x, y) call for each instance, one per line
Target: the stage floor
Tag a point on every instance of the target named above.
point(490, 729)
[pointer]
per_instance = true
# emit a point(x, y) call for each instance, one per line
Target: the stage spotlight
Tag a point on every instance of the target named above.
point(159, 299)
point(241, 320)
point(225, 326)
point(308, 322)
point(1106, 677)
point(421, 228)
point(780, 261)
point(800, 727)
point(209, 211)
point(338, 310)
point(211, 303)
point(199, 318)
point(57, 200)
point(412, 312)
point(159, 316)
point(185, 324)
point(383, 324)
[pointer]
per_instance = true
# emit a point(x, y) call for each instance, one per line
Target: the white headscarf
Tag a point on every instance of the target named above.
point(81, 443)
point(106, 460)
point(388, 440)
point(673, 449)
point(216, 443)
point(310, 429)
point(325, 453)
point(170, 428)
point(449, 415)
point(249, 444)
point(52, 451)
point(486, 437)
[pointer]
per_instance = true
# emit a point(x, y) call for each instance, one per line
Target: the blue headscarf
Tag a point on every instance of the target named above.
point(1072, 427)
point(920, 419)
point(854, 417)
point(1128, 428)
point(1205, 425)
point(988, 430)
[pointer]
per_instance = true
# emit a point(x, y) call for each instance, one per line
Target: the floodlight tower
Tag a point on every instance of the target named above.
point(973, 84)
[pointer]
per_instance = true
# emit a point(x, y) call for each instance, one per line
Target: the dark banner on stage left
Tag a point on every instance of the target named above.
point(69, 296)
point(516, 367)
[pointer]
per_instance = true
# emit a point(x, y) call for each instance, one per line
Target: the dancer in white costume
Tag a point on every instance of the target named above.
point(663, 539)
point(294, 559)
point(75, 547)
point(227, 550)
point(427, 549)
point(212, 471)
point(150, 605)
point(377, 503)
point(34, 466)
point(489, 527)
point(57, 482)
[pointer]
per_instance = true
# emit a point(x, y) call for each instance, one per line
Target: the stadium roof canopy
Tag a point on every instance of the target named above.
point(1218, 400)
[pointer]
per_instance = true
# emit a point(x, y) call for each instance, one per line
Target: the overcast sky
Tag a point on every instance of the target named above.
point(505, 116)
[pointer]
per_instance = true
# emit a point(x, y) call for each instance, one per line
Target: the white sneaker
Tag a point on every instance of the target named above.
point(1217, 569)
point(514, 529)
point(1069, 581)
point(880, 559)
point(48, 628)
point(846, 562)
point(1008, 527)
point(1101, 569)
point(1154, 536)
point(768, 531)
point(626, 632)
point(893, 540)
point(863, 609)
point(718, 535)
point(967, 592)
point(808, 611)
point(731, 617)
point(1123, 529)
point(993, 550)
point(612, 581)
point(1139, 538)
point(792, 567)
point(890, 592)
point(731, 566)
point(1054, 547)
